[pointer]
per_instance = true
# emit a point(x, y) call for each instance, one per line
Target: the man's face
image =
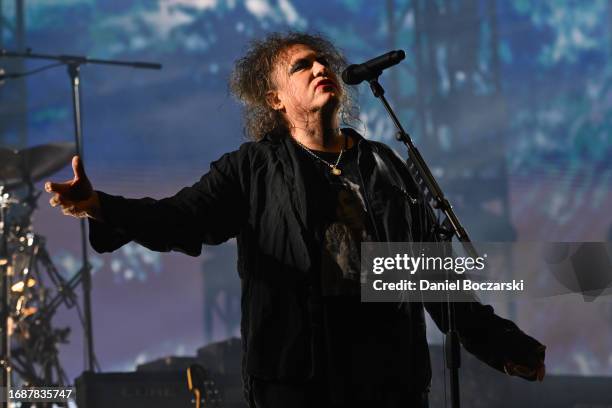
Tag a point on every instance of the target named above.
point(304, 84)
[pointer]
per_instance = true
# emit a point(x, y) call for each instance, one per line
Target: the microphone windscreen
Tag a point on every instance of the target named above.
point(347, 76)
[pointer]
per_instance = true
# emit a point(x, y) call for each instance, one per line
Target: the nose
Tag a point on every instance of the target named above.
point(319, 69)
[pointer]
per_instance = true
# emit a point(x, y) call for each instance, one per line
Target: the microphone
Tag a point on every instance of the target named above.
point(356, 73)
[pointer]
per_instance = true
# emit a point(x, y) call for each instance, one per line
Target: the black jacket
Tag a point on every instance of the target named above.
point(261, 195)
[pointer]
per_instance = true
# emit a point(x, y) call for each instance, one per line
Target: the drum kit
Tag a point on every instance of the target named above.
point(32, 286)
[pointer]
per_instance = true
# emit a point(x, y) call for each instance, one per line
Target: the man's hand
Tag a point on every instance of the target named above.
point(76, 197)
point(531, 372)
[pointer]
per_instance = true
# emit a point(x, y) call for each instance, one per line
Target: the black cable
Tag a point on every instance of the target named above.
point(16, 75)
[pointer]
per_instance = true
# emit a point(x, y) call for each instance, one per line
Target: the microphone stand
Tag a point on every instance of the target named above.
point(420, 171)
point(73, 63)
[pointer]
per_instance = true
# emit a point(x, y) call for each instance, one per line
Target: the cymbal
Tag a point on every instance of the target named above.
point(33, 163)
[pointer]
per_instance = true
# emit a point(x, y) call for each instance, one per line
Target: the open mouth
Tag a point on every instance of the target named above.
point(326, 83)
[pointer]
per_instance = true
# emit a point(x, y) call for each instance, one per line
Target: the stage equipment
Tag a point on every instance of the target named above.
point(222, 361)
point(29, 278)
point(371, 69)
point(133, 390)
point(432, 195)
point(205, 391)
point(73, 64)
point(169, 387)
point(164, 378)
point(26, 166)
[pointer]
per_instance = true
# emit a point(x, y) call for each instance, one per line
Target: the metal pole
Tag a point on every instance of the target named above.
point(19, 66)
point(73, 72)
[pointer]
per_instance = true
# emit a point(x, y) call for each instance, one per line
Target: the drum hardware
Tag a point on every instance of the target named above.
point(32, 287)
point(18, 287)
point(32, 164)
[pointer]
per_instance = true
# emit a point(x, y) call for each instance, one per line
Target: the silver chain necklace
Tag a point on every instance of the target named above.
point(334, 167)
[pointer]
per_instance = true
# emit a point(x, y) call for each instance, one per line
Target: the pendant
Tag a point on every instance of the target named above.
point(336, 171)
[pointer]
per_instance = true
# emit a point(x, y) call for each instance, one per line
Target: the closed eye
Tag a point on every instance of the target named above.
point(304, 63)
point(299, 65)
point(323, 61)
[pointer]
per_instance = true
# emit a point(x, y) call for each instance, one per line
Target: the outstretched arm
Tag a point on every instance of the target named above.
point(208, 212)
point(494, 340)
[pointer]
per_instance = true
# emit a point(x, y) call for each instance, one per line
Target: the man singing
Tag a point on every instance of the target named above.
point(300, 198)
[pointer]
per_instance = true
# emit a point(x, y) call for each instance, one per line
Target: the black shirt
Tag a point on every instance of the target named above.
point(344, 223)
point(351, 331)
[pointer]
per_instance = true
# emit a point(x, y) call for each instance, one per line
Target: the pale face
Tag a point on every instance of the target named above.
point(304, 85)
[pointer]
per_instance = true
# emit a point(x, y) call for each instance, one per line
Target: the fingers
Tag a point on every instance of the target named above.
point(77, 168)
point(75, 197)
point(523, 371)
point(541, 372)
point(54, 201)
point(77, 189)
point(73, 211)
point(532, 374)
point(68, 207)
point(60, 188)
point(57, 199)
point(79, 174)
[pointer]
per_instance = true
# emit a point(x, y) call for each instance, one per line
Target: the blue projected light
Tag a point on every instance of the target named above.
point(512, 112)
